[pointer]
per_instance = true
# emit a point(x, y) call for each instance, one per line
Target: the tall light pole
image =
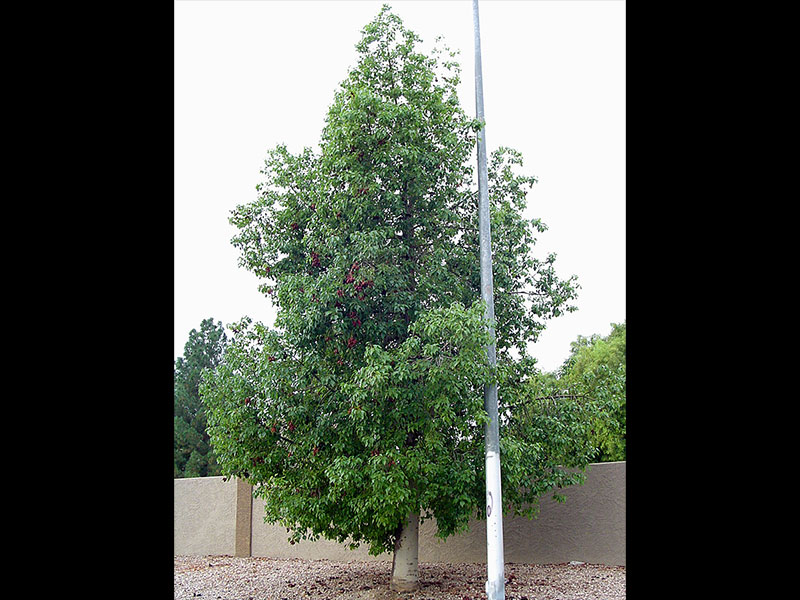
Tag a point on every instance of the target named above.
point(495, 584)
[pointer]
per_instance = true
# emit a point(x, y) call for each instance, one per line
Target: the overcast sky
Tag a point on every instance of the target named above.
point(253, 74)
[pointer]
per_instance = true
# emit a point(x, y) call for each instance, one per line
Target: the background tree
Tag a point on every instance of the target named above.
point(596, 369)
point(361, 413)
point(192, 453)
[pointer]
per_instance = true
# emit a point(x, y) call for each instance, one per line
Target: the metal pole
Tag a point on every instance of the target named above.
point(495, 584)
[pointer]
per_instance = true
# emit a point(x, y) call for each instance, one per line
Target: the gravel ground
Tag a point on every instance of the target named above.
point(229, 578)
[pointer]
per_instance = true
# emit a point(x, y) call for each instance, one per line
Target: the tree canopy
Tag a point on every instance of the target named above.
point(193, 454)
point(596, 369)
point(364, 403)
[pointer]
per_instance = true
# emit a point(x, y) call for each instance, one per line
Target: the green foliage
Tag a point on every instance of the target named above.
point(365, 402)
point(596, 370)
point(193, 454)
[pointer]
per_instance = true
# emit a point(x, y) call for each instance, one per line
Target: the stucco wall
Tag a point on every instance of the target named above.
point(205, 516)
point(589, 527)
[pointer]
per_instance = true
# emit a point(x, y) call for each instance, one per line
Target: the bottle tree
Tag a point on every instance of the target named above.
point(360, 414)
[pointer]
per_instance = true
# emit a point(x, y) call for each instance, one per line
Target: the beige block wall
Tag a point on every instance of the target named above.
point(271, 541)
point(589, 527)
point(205, 516)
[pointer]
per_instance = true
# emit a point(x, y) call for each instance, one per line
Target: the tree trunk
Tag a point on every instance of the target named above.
point(405, 574)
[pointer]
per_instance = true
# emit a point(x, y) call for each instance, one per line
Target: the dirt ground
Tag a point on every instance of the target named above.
point(230, 578)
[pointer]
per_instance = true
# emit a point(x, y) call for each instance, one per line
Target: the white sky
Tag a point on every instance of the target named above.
point(252, 74)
